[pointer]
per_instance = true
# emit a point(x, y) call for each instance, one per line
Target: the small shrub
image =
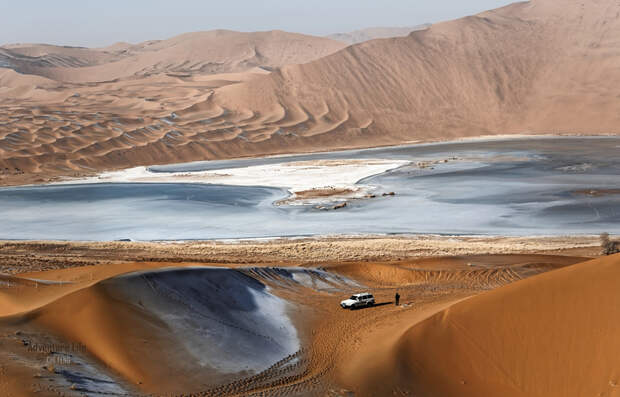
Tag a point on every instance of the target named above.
point(608, 246)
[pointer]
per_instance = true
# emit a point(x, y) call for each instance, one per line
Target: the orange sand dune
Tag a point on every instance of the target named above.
point(84, 313)
point(74, 304)
point(491, 270)
point(551, 335)
point(159, 330)
point(542, 66)
point(89, 317)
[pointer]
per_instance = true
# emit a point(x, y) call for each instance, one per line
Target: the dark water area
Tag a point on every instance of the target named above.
point(529, 186)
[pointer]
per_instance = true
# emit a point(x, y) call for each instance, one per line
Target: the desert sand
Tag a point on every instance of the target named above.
point(75, 100)
point(479, 316)
point(199, 53)
point(125, 320)
point(551, 335)
point(524, 68)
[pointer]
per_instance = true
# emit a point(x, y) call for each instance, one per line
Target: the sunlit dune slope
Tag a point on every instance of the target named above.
point(489, 269)
point(216, 51)
point(541, 66)
point(544, 66)
point(551, 335)
point(167, 329)
point(185, 328)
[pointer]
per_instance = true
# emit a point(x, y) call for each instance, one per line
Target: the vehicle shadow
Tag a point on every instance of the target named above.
point(373, 306)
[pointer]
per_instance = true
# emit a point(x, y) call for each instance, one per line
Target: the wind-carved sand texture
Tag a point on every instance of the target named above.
point(64, 109)
point(524, 68)
point(182, 328)
point(199, 53)
point(478, 347)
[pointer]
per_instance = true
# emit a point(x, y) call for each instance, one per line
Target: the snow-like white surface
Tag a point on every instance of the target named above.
point(226, 320)
point(294, 176)
point(316, 279)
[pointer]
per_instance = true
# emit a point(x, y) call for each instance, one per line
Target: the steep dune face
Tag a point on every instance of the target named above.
point(145, 327)
point(218, 51)
point(542, 66)
point(545, 66)
point(551, 335)
point(67, 109)
point(200, 323)
point(164, 328)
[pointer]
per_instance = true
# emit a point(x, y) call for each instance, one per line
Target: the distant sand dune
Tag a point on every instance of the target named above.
point(211, 52)
point(544, 66)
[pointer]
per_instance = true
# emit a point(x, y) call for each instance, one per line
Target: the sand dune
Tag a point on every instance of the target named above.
point(543, 66)
point(223, 331)
point(494, 270)
point(175, 329)
point(217, 51)
point(37, 58)
point(550, 335)
point(524, 67)
point(205, 320)
point(68, 110)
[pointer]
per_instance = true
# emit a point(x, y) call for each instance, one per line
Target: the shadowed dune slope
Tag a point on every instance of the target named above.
point(174, 329)
point(551, 335)
point(201, 323)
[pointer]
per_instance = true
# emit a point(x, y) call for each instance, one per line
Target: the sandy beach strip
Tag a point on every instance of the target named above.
point(27, 256)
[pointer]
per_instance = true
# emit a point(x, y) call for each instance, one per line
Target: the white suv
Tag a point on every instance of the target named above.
point(358, 300)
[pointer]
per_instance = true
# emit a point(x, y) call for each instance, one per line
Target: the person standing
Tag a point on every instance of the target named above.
point(397, 298)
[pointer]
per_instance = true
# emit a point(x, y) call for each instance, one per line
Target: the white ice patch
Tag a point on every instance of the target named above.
point(225, 319)
point(294, 176)
point(316, 279)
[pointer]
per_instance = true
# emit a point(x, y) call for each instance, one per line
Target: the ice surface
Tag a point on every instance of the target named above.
point(513, 187)
point(227, 320)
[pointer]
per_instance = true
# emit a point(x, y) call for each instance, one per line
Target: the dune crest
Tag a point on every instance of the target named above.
point(524, 67)
point(532, 67)
point(554, 335)
point(199, 322)
point(209, 52)
point(229, 330)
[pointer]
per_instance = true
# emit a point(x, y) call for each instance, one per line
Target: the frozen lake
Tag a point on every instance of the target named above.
point(528, 186)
